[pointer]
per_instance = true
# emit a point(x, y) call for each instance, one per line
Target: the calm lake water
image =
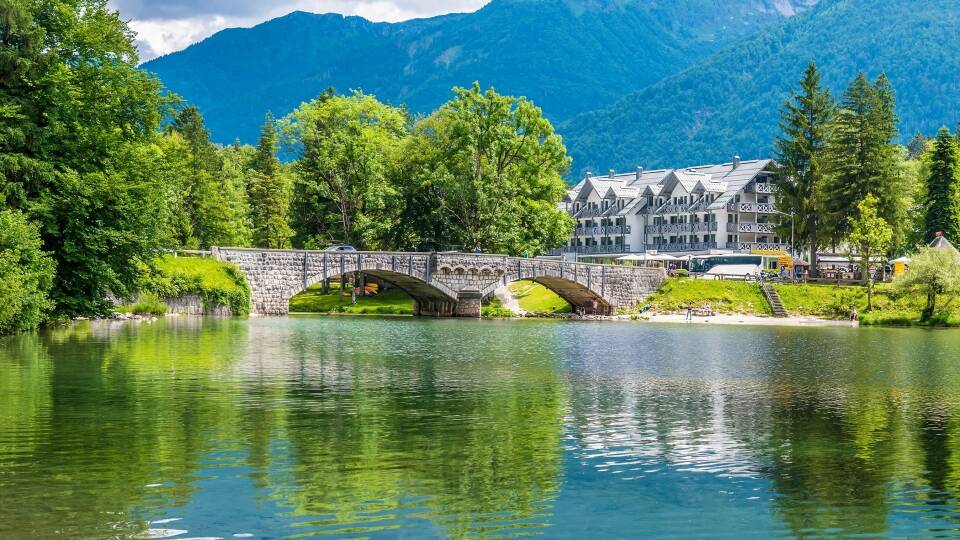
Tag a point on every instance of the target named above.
point(385, 428)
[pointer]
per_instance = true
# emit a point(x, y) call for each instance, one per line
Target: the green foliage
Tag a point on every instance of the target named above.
point(535, 298)
point(26, 274)
point(943, 188)
point(210, 198)
point(870, 238)
point(489, 170)
point(269, 193)
point(827, 301)
point(347, 145)
point(313, 300)
point(496, 310)
point(933, 273)
point(217, 283)
point(861, 157)
point(76, 121)
point(801, 155)
point(147, 304)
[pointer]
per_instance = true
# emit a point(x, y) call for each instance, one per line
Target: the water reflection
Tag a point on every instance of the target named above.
point(385, 427)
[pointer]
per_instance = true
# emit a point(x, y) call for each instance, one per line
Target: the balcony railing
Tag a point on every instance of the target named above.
point(614, 249)
point(751, 208)
point(756, 227)
point(606, 230)
point(672, 209)
point(761, 246)
point(669, 228)
point(761, 188)
point(677, 246)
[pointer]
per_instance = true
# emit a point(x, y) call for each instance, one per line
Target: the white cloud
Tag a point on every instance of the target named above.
point(165, 27)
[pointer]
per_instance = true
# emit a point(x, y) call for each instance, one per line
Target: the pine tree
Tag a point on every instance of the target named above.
point(269, 193)
point(861, 158)
point(943, 188)
point(805, 121)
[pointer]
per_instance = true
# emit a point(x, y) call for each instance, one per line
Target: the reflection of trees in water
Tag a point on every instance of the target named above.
point(850, 428)
point(101, 419)
point(472, 446)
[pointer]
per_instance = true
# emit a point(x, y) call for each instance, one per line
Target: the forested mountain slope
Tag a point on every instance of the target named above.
point(729, 103)
point(569, 56)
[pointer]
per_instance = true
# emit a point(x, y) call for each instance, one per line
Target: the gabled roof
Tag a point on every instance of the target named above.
point(941, 242)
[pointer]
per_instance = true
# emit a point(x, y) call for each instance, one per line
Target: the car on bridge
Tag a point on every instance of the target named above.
point(341, 248)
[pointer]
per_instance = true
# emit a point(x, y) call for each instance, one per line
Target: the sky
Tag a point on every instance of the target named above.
point(165, 26)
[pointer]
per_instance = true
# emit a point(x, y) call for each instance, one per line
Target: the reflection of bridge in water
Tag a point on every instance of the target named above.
point(441, 284)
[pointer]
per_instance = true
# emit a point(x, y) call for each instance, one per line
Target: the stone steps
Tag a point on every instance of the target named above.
point(773, 298)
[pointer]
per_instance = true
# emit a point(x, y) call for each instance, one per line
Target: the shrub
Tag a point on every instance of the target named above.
point(148, 304)
point(26, 275)
point(217, 283)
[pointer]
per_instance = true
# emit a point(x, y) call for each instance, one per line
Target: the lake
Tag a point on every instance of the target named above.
point(398, 427)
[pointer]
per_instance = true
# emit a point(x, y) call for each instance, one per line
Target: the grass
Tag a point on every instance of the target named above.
point(148, 304)
point(535, 298)
point(724, 296)
point(389, 302)
point(495, 310)
point(217, 283)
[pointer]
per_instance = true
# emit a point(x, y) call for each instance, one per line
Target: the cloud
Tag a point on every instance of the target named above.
point(170, 25)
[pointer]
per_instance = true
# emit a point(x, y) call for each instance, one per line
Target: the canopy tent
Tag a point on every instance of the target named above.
point(941, 242)
point(904, 260)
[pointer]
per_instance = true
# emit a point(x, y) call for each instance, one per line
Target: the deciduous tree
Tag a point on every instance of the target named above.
point(871, 239)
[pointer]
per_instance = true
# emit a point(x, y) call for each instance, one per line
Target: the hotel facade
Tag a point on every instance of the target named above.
point(726, 208)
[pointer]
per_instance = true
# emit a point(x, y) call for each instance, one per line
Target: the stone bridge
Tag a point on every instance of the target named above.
point(441, 284)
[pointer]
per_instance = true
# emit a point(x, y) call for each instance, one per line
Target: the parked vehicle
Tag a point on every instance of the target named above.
point(340, 248)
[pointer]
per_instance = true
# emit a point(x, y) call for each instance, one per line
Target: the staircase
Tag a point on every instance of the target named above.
point(774, 299)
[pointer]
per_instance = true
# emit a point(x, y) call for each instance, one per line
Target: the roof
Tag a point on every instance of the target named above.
point(941, 242)
point(724, 180)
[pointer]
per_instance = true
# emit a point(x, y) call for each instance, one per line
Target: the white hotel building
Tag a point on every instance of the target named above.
point(726, 208)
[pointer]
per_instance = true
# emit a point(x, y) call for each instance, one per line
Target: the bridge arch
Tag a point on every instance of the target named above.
point(428, 299)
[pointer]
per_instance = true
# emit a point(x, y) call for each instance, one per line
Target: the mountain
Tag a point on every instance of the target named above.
point(729, 103)
point(569, 56)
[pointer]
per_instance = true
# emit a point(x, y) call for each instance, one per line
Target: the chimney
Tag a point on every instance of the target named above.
point(612, 173)
point(639, 172)
point(589, 175)
point(736, 162)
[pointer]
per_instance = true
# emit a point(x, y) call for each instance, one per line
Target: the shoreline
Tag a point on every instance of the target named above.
point(748, 320)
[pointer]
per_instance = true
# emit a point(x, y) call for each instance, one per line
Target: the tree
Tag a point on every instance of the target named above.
point(491, 173)
point(943, 188)
point(861, 158)
point(77, 118)
point(917, 146)
point(870, 238)
point(347, 144)
point(26, 274)
point(269, 193)
point(214, 194)
point(933, 273)
point(805, 120)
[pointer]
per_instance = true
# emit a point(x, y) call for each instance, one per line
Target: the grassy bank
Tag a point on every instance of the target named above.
point(216, 283)
point(313, 300)
point(728, 297)
point(535, 298)
point(800, 300)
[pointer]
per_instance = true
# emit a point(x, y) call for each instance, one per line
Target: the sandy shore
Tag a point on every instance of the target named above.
point(749, 320)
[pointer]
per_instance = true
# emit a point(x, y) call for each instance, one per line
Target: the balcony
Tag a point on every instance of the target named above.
point(606, 230)
point(694, 246)
point(761, 246)
point(672, 209)
point(751, 208)
point(615, 249)
point(756, 227)
point(671, 228)
point(761, 188)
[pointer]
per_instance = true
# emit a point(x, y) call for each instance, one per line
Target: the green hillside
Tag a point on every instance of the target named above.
point(729, 103)
point(569, 56)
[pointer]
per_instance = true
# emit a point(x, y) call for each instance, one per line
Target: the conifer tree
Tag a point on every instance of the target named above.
point(269, 193)
point(943, 188)
point(862, 159)
point(805, 119)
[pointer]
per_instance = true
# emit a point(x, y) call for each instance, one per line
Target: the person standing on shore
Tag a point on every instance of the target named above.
point(689, 312)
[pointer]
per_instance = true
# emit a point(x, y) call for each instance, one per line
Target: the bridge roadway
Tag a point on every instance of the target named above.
point(441, 284)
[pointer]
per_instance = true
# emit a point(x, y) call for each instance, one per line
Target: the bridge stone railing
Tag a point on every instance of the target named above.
point(441, 284)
